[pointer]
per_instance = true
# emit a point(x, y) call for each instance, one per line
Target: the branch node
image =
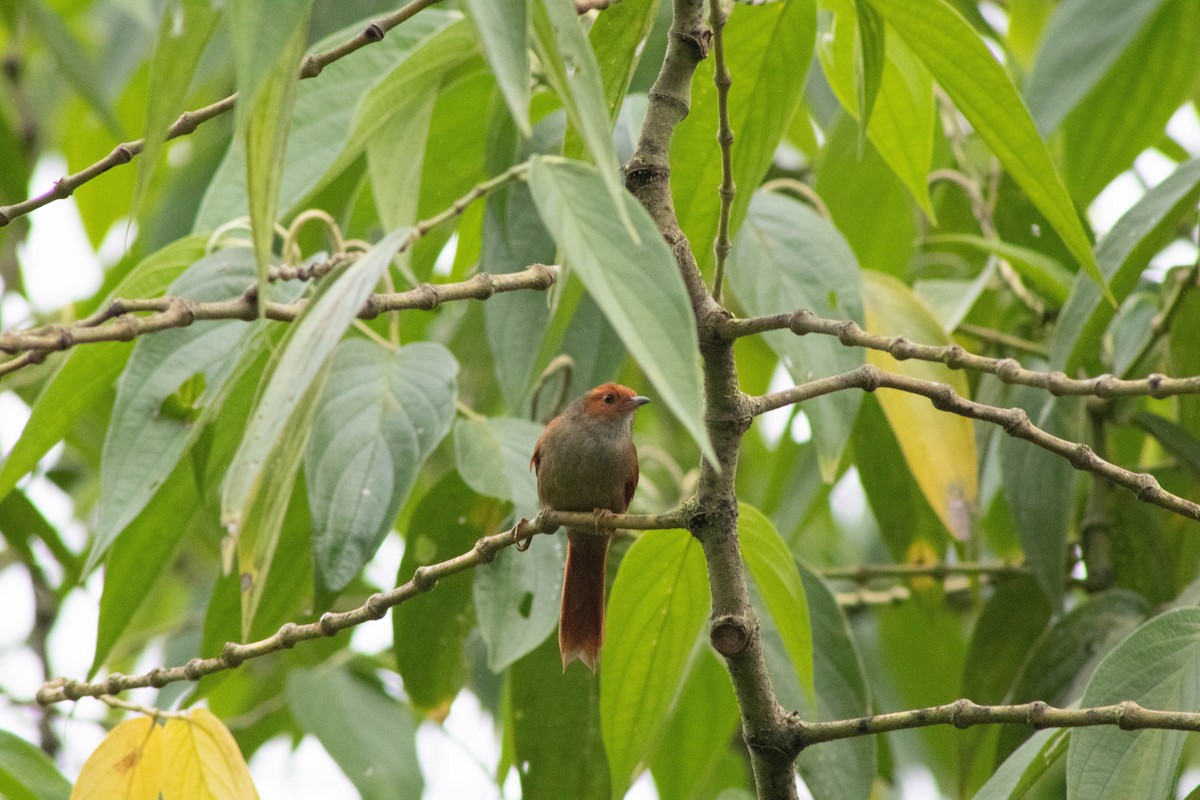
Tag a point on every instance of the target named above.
point(730, 635)
point(847, 332)
point(1147, 485)
point(872, 377)
point(1081, 456)
point(193, 670)
point(1104, 385)
point(422, 580)
point(1058, 381)
point(374, 32)
point(287, 635)
point(327, 624)
point(1155, 381)
point(157, 677)
point(114, 684)
point(72, 690)
point(311, 67)
point(901, 348)
point(954, 356)
point(1127, 712)
point(122, 153)
point(1007, 369)
point(233, 654)
point(375, 607)
point(799, 321)
point(1037, 713)
point(944, 397)
point(1017, 418)
point(960, 712)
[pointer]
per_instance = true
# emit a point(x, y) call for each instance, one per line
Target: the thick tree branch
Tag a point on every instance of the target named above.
point(954, 356)
point(123, 153)
point(1014, 421)
point(375, 607)
point(964, 713)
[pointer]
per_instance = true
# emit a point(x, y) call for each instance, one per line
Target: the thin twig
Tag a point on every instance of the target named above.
point(727, 190)
point(954, 356)
point(1002, 338)
point(123, 153)
point(1014, 421)
point(869, 572)
point(964, 713)
point(375, 607)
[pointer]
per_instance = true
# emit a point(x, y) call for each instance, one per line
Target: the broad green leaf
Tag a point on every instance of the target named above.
point(395, 157)
point(69, 56)
point(1174, 439)
point(429, 633)
point(1064, 656)
point(637, 285)
point(267, 86)
point(901, 127)
point(183, 34)
point(503, 31)
point(174, 383)
point(554, 721)
point(1123, 254)
point(774, 572)
point(656, 611)
point(703, 723)
point(368, 733)
point(26, 773)
point(938, 447)
point(843, 769)
point(767, 50)
point(617, 37)
point(1050, 278)
point(1131, 334)
point(785, 258)
point(1039, 487)
point(869, 58)
point(493, 458)
point(85, 374)
point(1158, 666)
point(1084, 39)
point(338, 113)
point(1134, 102)
point(517, 600)
point(307, 348)
point(1034, 772)
point(961, 62)
point(570, 67)
point(381, 415)
point(1009, 624)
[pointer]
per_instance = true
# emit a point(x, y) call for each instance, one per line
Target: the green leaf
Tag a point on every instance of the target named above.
point(637, 285)
point(656, 611)
point(843, 769)
point(1174, 439)
point(571, 70)
point(939, 447)
point(381, 415)
point(517, 601)
point(367, 732)
point(774, 572)
point(68, 54)
point(338, 113)
point(1134, 102)
point(869, 58)
point(554, 720)
point(85, 374)
point(503, 31)
point(617, 37)
point(767, 50)
point(1039, 487)
point(1051, 278)
point(1033, 772)
point(1158, 666)
point(429, 633)
point(786, 258)
point(26, 773)
point(143, 444)
point(268, 40)
point(1082, 42)
point(183, 35)
point(395, 157)
point(703, 723)
point(1064, 656)
point(982, 91)
point(1123, 254)
point(306, 351)
point(480, 446)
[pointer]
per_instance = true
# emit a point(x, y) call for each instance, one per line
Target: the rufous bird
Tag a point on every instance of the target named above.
point(585, 461)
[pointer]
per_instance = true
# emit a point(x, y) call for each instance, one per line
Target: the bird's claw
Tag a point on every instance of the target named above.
point(601, 516)
point(521, 540)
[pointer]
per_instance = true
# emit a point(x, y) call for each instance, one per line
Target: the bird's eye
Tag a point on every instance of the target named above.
point(609, 399)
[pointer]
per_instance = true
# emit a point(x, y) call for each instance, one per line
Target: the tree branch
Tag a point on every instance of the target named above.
point(375, 607)
point(964, 713)
point(123, 153)
point(954, 356)
point(1014, 421)
point(728, 189)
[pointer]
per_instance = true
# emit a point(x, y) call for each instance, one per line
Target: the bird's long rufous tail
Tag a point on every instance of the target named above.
point(581, 621)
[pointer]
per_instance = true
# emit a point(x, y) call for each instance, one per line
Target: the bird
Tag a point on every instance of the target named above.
point(585, 460)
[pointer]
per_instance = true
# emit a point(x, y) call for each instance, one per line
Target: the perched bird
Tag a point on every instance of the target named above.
point(585, 461)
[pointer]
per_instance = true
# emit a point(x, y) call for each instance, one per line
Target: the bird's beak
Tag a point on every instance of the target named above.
point(639, 401)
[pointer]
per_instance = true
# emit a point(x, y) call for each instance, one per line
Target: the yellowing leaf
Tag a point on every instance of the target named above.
point(201, 761)
point(938, 446)
point(127, 764)
point(191, 758)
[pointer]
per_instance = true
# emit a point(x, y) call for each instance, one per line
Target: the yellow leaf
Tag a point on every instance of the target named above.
point(127, 764)
point(203, 761)
point(938, 446)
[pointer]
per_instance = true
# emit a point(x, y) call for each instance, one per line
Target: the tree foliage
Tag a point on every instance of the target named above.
point(914, 286)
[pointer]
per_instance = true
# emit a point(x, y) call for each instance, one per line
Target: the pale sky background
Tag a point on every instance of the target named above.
point(458, 758)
